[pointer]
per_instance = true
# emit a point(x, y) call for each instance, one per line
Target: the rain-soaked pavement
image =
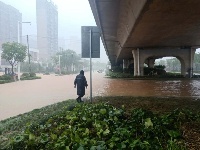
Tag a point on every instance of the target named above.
point(23, 96)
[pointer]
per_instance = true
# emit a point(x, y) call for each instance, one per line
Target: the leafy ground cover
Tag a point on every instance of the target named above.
point(109, 123)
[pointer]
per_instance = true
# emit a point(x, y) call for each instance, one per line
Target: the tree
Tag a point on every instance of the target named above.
point(13, 53)
point(69, 60)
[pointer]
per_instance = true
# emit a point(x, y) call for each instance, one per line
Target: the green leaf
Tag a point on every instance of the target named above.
point(81, 148)
point(173, 134)
point(67, 148)
point(87, 131)
point(93, 148)
point(123, 145)
point(148, 123)
point(134, 143)
point(18, 138)
point(106, 132)
point(115, 118)
point(53, 136)
point(103, 111)
point(112, 144)
point(84, 118)
point(31, 136)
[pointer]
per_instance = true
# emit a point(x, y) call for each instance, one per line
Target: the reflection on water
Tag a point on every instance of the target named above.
point(182, 88)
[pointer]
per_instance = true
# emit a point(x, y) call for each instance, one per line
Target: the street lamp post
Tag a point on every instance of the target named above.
point(29, 61)
point(59, 64)
point(19, 41)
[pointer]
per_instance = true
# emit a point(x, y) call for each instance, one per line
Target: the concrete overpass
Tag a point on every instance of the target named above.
point(144, 30)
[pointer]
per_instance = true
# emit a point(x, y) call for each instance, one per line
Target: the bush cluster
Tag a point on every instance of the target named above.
point(102, 126)
point(29, 76)
point(119, 75)
point(5, 79)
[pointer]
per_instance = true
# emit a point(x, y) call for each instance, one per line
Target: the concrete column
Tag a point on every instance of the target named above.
point(192, 52)
point(136, 56)
point(190, 63)
point(182, 67)
point(138, 62)
point(125, 63)
point(141, 63)
point(150, 63)
point(187, 66)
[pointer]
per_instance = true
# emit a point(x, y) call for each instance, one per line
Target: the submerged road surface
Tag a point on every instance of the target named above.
point(23, 96)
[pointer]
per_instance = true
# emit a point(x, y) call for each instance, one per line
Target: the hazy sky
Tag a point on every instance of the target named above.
point(72, 14)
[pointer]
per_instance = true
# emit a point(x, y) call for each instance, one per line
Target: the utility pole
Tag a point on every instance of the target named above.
point(29, 61)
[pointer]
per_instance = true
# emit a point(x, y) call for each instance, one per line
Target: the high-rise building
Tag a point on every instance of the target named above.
point(47, 28)
point(10, 26)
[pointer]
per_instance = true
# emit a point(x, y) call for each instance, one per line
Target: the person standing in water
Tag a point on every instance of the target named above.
point(81, 83)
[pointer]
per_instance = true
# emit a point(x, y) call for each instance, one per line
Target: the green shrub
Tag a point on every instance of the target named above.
point(5, 77)
point(29, 76)
point(117, 69)
point(46, 73)
point(4, 81)
point(157, 70)
point(119, 75)
point(32, 74)
point(25, 74)
point(160, 67)
point(102, 126)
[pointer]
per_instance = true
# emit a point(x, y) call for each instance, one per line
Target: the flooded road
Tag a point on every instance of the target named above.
point(23, 96)
point(174, 88)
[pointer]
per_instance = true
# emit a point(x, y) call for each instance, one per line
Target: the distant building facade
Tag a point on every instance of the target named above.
point(47, 28)
point(34, 53)
point(9, 21)
point(10, 27)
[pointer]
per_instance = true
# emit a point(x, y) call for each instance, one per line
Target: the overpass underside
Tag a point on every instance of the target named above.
point(148, 29)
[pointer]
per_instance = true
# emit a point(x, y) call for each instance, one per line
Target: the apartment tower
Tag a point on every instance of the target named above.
point(10, 26)
point(47, 28)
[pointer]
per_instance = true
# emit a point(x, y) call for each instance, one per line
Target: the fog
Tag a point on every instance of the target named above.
point(72, 14)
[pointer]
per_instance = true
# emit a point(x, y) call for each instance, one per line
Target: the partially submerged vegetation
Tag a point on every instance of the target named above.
point(29, 76)
point(24, 76)
point(157, 72)
point(108, 123)
point(5, 79)
point(169, 75)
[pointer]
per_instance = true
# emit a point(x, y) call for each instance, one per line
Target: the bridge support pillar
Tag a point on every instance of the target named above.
point(125, 63)
point(138, 63)
point(184, 55)
point(187, 64)
point(150, 62)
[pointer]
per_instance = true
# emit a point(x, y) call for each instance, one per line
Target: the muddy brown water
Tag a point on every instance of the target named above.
point(170, 88)
point(23, 96)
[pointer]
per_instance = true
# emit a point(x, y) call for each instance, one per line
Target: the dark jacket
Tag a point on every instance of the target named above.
point(81, 83)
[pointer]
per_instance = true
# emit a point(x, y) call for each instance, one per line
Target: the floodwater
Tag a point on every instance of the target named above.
point(23, 96)
point(159, 88)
